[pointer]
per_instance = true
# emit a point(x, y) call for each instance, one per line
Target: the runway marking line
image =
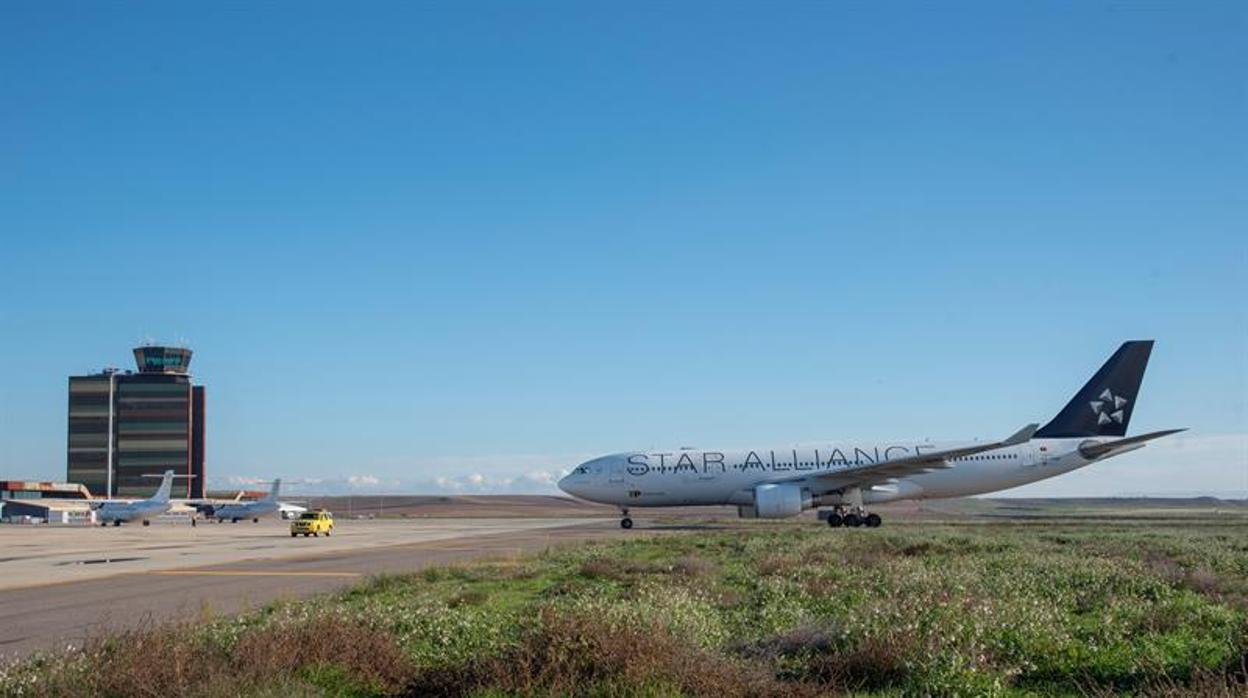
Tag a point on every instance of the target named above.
point(252, 573)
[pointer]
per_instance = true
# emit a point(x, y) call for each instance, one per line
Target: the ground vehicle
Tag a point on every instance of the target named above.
point(312, 523)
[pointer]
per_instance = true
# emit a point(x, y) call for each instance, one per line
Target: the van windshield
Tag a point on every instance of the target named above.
point(308, 516)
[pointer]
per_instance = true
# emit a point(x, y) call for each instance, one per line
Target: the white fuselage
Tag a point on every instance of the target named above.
point(143, 509)
point(710, 477)
point(245, 510)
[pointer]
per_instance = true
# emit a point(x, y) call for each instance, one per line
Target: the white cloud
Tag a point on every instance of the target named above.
point(531, 482)
point(241, 481)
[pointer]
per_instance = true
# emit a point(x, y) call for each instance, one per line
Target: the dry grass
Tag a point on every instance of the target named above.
point(603, 569)
point(694, 567)
point(569, 654)
point(176, 660)
point(875, 663)
point(822, 660)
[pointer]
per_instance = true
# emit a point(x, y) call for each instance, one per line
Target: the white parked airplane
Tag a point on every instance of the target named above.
point(115, 512)
point(238, 510)
point(290, 511)
point(848, 476)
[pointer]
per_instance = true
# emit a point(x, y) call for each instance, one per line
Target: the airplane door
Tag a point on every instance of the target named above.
point(1029, 455)
point(616, 473)
point(1045, 456)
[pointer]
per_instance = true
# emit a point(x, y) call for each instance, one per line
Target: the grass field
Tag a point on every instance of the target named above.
point(1036, 608)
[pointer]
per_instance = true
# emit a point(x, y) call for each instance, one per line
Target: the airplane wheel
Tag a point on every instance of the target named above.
point(835, 520)
point(852, 520)
point(255, 520)
point(626, 523)
point(117, 522)
point(146, 522)
point(234, 520)
point(874, 521)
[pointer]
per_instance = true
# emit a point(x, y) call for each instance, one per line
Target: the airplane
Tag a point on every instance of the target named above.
point(772, 483)
point(237, 510)
point(145, 509)
point(290, 511)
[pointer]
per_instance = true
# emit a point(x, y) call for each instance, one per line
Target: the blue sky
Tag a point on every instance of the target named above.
point(460, 245)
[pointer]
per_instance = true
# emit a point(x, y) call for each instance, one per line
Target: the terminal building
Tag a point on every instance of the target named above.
point(125, 426)
point(47, 502)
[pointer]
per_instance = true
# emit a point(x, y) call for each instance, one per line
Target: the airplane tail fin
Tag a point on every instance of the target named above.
point(1103, 407)
point(166, 486)
point(274, 492)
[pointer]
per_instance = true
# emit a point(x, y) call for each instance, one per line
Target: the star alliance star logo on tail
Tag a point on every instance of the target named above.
point(1108, 407)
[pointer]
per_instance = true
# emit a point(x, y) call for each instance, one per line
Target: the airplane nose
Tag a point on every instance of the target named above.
point(565, 484)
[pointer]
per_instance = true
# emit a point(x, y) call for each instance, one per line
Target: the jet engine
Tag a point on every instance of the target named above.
point(780, 501)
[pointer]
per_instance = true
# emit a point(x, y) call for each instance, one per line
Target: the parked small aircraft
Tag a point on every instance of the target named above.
point(238, 510)
point(115, 512)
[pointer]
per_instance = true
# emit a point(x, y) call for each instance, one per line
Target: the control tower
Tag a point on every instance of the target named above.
point(126, 425)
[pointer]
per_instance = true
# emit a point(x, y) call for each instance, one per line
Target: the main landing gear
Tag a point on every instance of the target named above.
point(854, 518)
point(856, 515)
point(625, 522)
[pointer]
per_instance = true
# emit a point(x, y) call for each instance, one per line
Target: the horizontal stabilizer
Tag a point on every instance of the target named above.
point(1094, 449)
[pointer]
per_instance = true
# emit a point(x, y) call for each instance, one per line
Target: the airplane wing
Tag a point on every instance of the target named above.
point(875, 473)
point(97, 503)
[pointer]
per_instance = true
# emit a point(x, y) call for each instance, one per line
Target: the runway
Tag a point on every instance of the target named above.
point(59, 586)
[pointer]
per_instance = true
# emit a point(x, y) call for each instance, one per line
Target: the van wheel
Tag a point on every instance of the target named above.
point(293, 534)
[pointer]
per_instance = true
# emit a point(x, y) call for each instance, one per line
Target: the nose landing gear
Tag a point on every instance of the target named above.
point(625, 522)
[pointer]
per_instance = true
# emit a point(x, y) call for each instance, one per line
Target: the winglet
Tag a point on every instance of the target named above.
point(1021, 436)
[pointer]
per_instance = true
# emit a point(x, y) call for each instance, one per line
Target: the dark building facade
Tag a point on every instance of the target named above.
point(126, 426)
